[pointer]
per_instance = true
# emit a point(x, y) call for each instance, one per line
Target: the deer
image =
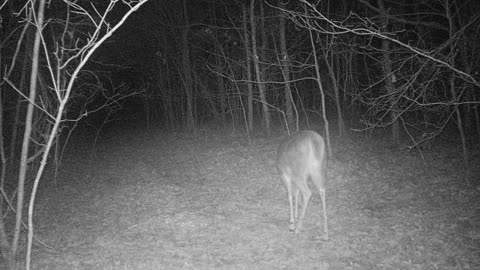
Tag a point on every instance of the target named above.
point(299, 158)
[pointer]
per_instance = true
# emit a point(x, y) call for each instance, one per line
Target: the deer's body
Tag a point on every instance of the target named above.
point(299, 158)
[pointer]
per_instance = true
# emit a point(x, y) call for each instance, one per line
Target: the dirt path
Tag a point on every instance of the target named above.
point(173, 202)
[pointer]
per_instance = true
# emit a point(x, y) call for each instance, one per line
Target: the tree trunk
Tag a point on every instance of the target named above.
point(285, 62)
point(387, 70)
point(221, 87)
point(336, 91)
point(455, 97)
point(322, 93)
point(187, 69)
point(249, 70)
point(259, 79)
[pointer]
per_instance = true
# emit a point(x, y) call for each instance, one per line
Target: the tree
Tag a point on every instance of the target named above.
point(413, 76)
point(256, 65)
point(58, 58)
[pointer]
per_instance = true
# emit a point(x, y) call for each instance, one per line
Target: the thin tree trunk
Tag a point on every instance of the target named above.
point(341, 125)
point(221, 87)
point(285, 61)
point(263, 48)
point(249, 70)
point(455, 98)
point(322, 93)
point(187, 69)
point(259, 79)
point(28, 130)
point(387, 70)
point(18, 108)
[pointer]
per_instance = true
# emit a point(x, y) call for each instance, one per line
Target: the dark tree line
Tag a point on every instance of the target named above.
point(410, 66)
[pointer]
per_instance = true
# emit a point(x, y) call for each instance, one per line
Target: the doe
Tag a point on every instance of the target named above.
point(302, 157)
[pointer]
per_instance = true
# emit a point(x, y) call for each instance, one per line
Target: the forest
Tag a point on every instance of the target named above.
point(144, 134)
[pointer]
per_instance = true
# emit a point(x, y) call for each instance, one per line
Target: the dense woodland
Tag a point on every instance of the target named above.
point(256, 67)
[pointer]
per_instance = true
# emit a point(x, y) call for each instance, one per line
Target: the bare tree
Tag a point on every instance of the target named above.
point(246, 40)
point(63, 86)
point(256, 64)
point(387, 73)
point(285, 66)
point(412, 74)
point(187, 73)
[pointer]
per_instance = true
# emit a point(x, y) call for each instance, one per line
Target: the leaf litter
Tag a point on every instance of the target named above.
point(175, 202)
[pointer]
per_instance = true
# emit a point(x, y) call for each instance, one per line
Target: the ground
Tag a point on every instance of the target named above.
point(131, 200)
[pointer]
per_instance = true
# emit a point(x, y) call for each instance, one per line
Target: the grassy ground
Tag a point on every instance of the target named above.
point(171, 201)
